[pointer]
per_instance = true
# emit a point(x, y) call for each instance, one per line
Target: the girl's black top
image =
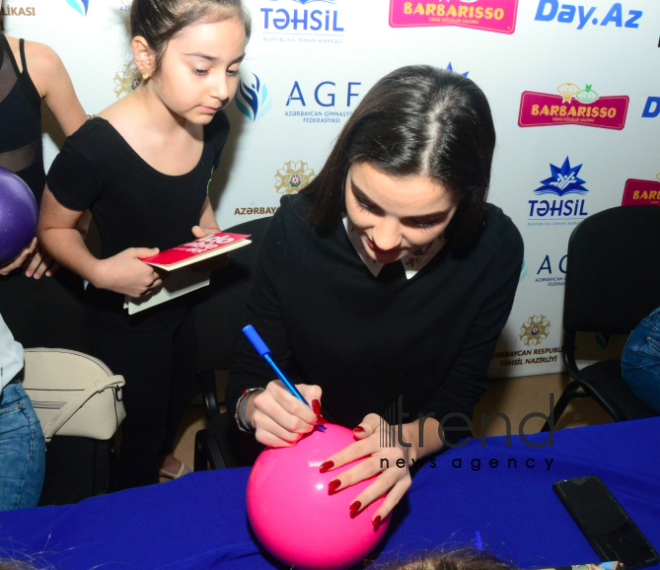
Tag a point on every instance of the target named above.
point(20, 121)
point(133, 204)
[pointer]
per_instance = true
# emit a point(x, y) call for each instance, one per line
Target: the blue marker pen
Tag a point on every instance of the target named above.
point(264, 351)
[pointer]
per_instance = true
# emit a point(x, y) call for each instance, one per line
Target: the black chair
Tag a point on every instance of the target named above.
point(612, 283)
point(219, 317)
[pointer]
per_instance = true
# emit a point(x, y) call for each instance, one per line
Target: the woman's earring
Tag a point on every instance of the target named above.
point(145, 76)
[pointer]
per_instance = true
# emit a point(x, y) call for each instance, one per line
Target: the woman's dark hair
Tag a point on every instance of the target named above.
point(417, 120)
point(2, 17)
point(158, 21)
point(461, 559)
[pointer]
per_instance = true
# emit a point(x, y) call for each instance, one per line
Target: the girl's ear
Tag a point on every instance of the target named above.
point(143, 55)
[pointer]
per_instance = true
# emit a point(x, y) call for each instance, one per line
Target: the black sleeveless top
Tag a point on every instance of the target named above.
point(20, 121)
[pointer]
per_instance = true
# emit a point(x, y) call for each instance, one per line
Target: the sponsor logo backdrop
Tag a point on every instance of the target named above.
point(590, 70)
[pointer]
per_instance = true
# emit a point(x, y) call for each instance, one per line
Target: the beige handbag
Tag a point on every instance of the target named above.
point(73, 393)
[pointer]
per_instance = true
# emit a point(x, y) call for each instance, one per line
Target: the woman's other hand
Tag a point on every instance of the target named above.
point(389, 465)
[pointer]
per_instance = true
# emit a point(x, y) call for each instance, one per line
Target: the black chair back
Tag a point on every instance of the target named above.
point(613, 270)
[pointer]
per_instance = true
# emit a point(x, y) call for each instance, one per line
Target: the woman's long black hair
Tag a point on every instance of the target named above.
point(417, 120)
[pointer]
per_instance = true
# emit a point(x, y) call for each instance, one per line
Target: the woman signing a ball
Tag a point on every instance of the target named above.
point(383, 286)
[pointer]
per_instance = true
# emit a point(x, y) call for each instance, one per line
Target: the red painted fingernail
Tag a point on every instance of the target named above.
point(355, 507)
point(334, 485)
point(326, 466)
point(376, 522)
point(358, 429)
point(316, 406)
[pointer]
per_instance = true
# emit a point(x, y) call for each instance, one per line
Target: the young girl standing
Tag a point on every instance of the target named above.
point(142, 166)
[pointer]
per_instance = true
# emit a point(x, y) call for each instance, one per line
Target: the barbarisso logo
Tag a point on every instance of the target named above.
point(80, 6)
point(301, 21)
point(641, 192)
point(253, 99)
point(564, 180)
point(580, 16)
point(573, 105)
point(489, 15)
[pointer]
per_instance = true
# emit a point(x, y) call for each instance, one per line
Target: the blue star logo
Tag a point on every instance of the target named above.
point(450, 68)
point(80, 6)
point(563, 181)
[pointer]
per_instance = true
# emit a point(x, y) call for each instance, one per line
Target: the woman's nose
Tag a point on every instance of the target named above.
point(387, 234)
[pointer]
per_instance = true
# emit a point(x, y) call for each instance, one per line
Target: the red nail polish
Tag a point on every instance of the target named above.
point(334, 485)
point(316, 406)
point(376, 522)
point(355, 507)
point(358, 429)
point(326, 466)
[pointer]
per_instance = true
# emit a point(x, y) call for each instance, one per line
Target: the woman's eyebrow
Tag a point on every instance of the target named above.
point(364, 198)
point(361, 195)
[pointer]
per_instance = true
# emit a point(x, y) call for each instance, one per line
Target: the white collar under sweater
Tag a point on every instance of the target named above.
point(411, 263)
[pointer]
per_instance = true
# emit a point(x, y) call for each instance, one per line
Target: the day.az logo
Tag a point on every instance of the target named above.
point(616, 16)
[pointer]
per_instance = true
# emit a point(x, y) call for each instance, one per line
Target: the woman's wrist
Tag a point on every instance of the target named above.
point(422, 444)
point(244, 409)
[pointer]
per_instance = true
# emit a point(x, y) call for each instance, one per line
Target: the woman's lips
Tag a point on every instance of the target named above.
point(382, 254)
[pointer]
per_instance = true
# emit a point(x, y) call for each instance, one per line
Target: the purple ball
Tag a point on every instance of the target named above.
point(18, 216)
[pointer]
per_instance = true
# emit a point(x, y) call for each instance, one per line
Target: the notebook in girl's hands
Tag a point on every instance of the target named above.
point(177, 283)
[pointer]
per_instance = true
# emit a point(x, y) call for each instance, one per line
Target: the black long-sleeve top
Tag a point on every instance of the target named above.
point(368, 341)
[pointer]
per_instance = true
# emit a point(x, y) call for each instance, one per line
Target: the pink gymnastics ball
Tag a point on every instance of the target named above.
point(295, 517)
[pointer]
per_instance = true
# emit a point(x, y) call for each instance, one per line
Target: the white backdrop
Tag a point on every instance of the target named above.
point(574, 90)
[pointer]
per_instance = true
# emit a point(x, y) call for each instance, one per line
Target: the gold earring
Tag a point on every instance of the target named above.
point(145, 76)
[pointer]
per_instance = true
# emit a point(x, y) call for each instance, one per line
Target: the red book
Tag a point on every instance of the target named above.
point(198, 250)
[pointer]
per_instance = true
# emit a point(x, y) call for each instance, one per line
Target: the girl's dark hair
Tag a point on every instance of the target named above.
point(461, 559)
point(417, 120)
point(158, 21)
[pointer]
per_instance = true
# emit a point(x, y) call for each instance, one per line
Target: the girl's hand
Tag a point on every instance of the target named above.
point(7, 268)
point(124, 273)
point(281, 419)
point(40, 264)
point(395, 480)
point(200, 232)
point(215, 263)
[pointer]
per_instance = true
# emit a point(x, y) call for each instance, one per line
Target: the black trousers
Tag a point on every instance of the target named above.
point(155, 352)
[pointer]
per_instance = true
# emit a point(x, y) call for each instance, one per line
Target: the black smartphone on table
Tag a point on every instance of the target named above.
point(609, 529)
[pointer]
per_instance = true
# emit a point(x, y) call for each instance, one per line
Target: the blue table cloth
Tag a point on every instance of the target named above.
point(199, 521)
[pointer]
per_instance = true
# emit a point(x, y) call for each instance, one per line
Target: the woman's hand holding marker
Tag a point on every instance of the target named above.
point(279, 418)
